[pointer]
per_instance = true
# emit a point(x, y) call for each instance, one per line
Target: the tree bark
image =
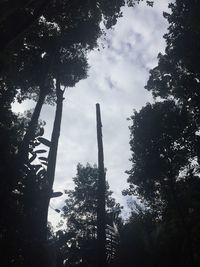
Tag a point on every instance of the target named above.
point(30, 133)
point(101, 219)
point(55, 135)
point(53, 151)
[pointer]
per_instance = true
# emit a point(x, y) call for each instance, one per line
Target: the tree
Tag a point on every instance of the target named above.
point(163, 144)
point(165, 170)
point(178, 73)
point(138, 239)
point(80, 213)
point(165, 141)
point(18, 230)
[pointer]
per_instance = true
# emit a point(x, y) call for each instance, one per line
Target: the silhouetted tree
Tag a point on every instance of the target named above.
point(178, 72)
point(163, 140)
point(80, 213)
point(138, 239)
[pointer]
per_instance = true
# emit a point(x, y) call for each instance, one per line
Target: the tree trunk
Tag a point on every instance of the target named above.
point(53, 150)
point(101, 219)
point(30, 133)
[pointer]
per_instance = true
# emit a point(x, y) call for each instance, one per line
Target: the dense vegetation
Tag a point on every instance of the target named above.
point(165, 144)
point(43, 50)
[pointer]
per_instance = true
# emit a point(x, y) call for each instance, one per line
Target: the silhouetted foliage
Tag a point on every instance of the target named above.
point(165, 143)
point(138, 239)
point(165, 170)
point(177, 74)
point(80, 217)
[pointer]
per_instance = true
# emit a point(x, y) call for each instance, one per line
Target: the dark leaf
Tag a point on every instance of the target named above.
point(32, 158)
point(44, 141)
point(43, 158)
point(40, 151)
point(56, 194)
point(44, 163)
point(57, 210)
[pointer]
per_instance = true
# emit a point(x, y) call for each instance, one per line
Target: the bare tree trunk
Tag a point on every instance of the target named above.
point(101, 219)
point(53, 150)
point(30, 133)
point(23, 148)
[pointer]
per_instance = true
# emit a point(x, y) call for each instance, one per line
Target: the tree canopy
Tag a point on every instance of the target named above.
point(80, 215)
point(164, 142)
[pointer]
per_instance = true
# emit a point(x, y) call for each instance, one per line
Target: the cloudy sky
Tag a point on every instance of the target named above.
point(116, 80)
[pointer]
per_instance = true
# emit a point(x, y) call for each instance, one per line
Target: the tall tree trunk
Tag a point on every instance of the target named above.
point(23, 148)
point(46, 194)
point(30, 133)
point(53, 151)
point(101, 219)
point(55, 135)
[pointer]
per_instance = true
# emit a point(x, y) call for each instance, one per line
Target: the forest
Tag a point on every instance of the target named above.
point(44, 51)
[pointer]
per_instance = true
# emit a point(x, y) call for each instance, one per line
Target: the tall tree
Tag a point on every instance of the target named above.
point(80, 213)
point(163, 144)
point(165, 140)
point(165, 171)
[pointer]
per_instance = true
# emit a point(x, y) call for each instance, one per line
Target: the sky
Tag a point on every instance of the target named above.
point(116, 80)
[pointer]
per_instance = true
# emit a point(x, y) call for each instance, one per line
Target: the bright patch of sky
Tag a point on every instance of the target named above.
point(116, 80)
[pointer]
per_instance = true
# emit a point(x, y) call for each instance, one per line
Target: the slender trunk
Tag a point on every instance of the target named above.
point(30, 133)
point(53, 151)
point(101, 219)
point(55, 136)
point(23, 148)
point(41, 220)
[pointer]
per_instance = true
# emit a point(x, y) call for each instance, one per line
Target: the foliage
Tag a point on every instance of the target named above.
point(138, 239)
point(177, 74)
point(80, 213)
point(165, 142)
point(21, 198)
